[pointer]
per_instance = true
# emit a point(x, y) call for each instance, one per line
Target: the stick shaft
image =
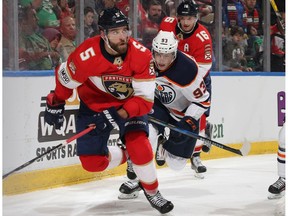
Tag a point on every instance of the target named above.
point(196, 136)
point(275, 8)
point(279, 17)
point(76, 136)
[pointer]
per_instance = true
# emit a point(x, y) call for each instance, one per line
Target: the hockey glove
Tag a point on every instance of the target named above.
point(54, 112)
point(106, 120)
point(187, 123)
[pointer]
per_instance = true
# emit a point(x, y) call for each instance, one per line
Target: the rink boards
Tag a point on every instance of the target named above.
point(244, 106)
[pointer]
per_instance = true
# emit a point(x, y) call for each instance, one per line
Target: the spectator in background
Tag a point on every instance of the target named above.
point(234, 52)
point(36, 4)
point(254, 49)
point(56, 8)
point(168, 6)
point(34, 50)
point(46, 16)
point(68, 31)
point(150, 26)
point(124, 6)
point(253, 19)
point(206, 13)
point(102, 4)
point(54, 37)
point(252, 22)
point(278, 39)
point(64, 9)
point(90, 27)
point(233, 11)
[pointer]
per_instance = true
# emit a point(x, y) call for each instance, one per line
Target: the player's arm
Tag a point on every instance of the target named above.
point(67, 78)
point(203, 51)
point(71, 74)
point(200, 97)
point(168, 24)
point(143, 83)
point(142, 101)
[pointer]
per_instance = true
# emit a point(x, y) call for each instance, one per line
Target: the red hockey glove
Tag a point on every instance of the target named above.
point(54, 112)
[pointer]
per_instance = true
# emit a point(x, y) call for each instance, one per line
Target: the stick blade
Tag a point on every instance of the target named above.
point(245, 148)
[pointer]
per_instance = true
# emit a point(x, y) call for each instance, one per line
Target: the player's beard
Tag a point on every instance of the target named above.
point(120, 47)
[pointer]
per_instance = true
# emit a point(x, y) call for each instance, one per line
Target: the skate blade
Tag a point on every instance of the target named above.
point(199, 175)
point(275, 196)
point(133, 195)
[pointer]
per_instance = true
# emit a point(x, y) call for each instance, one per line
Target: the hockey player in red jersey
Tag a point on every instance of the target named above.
point(115, 80)
point(181, 98)
point(195, 40)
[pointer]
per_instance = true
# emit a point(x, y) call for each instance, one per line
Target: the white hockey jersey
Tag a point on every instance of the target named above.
point(181, 89)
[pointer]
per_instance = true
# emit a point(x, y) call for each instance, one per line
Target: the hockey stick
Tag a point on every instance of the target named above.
point(278, 15)
point(243, 151)
point(76, 136)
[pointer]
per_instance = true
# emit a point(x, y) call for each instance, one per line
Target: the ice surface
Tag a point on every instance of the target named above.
point(235, 186)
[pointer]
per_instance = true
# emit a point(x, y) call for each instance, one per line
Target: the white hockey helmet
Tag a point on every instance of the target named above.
point(165, 42)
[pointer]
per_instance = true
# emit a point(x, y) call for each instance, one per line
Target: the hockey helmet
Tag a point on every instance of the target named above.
point(187, 8)
point(112, 18)
point(165, 42)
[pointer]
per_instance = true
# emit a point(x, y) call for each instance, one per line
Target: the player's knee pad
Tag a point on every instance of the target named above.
point(94, 163)
point(174, 162)
point(138, 147)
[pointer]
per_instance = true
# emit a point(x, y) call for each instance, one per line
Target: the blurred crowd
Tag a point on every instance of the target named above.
point(47, 30)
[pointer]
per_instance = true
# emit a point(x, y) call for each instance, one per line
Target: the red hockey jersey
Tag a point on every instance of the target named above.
point(103, 81)
point(198, 43)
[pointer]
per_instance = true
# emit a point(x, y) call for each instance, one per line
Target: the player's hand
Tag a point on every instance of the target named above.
point(54, 111)
point(106, 120)
point(187, 123)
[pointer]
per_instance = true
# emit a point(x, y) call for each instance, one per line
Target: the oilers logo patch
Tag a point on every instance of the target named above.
point(119, 87)
point(165, 93)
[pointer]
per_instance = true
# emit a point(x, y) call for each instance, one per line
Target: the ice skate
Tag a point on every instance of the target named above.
point(277, 189)
point(129, 190)
point(158, 202)
point(197, 165)
point(160, 152)
point(208, 134)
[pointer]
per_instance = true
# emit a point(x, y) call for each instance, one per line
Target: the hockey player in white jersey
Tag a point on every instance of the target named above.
point(181, 98)
point(277, 189)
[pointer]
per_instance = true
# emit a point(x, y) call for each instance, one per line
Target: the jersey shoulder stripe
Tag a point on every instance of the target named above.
point(184, 70)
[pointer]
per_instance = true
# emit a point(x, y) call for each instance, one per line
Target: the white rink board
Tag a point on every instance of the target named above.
point(242, 107)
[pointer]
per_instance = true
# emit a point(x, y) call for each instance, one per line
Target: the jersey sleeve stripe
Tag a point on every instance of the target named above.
point(144, 89)
point(65, 78)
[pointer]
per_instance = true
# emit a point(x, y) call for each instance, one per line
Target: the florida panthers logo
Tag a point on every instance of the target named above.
point(165, 93)
point(118, 86)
